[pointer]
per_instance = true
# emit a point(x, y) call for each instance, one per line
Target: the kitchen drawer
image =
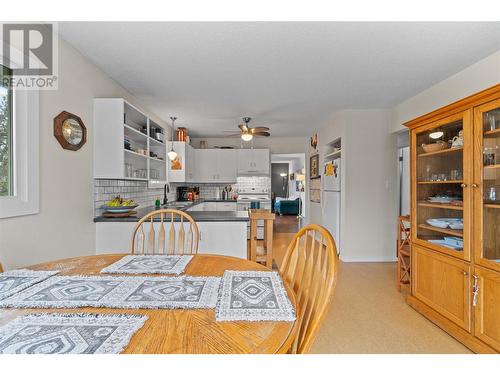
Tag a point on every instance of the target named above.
point(226, 206)
point(210, 206)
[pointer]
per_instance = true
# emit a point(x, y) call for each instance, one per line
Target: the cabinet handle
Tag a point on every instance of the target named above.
point(475, 290)
point(465, 273)
point(474, 185)
point(463, 185)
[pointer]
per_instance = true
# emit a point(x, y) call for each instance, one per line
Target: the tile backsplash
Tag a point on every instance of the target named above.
point(105, 190)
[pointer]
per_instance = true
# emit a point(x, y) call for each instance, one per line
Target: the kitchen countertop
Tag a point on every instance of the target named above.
point(196, 215)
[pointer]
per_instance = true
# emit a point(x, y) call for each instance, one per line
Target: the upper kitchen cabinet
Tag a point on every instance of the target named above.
point(127, 144)
point(215, 165)
point(253, 162)
point(183, 167)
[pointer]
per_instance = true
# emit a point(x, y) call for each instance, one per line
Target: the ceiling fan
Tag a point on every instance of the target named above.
point(247, 133)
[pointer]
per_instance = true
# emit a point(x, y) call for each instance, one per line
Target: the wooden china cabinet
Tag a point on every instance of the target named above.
point(455, 212)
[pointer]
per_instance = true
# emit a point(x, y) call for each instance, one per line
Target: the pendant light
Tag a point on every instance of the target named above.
point(172, 154)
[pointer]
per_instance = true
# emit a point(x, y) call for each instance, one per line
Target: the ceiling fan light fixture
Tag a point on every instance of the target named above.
point(247, 137)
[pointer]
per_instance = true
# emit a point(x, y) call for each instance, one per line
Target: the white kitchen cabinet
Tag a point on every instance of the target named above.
point(197, 207)
point(254, 162)
point(124, 139)
point(210, 206)
point(227, 162)
point(206, 165)
point(181, 169)
point(225, 206)
point(216, 237)
point(215, 166)
point(190, 164)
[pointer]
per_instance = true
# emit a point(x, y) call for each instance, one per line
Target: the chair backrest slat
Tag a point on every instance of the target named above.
point(182, 236)
point(310, 268)
point(161, 236)
point(151, 238)
point(155, 243)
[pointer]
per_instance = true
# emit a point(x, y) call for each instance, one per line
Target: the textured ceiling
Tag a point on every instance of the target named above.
point(288, 76)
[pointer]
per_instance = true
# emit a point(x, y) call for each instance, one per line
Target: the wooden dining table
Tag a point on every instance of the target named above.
point(181, 331)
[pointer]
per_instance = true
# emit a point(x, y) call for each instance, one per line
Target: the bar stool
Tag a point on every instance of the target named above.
point(261, 254)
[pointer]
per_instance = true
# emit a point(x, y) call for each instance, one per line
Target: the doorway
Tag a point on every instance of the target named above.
point(289, 182)
point(279, 179)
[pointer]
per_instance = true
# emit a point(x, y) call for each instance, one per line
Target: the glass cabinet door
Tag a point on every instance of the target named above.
point(487, 184)
point(442, 170)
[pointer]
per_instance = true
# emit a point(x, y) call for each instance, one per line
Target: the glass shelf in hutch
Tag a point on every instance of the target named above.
point(487, 249)
point(440, 182)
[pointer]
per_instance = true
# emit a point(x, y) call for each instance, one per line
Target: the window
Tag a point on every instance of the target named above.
point(19, 121)
point(6, 130)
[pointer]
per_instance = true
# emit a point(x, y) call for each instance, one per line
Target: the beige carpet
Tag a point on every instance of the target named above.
point(369, 315)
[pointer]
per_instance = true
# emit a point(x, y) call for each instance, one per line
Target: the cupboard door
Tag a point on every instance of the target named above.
point(206, 165)
point(487, 306)
point(443, 283)
point(245, 161)
point(261, 161)
point(441, 163)
point(487, 185)
point(226, 165)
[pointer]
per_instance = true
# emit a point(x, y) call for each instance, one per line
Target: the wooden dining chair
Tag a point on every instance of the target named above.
point(403, 251)
point(310, 268)
point(156, 240)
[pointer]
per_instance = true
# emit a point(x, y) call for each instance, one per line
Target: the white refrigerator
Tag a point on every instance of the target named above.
point(330, 201)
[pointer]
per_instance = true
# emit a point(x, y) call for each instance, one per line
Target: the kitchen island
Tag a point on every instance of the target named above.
point(221, 232)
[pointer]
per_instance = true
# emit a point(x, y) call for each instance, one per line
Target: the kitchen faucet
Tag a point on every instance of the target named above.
point(166, 189)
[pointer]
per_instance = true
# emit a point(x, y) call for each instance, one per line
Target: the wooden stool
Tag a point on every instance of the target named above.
point(404, 251)
point(258, 253)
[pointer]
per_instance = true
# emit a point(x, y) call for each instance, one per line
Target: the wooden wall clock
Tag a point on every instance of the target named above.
point(70, 131)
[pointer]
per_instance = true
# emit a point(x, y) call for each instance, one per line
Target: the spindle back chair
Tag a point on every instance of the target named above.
point(155, 241)
point(310, 268)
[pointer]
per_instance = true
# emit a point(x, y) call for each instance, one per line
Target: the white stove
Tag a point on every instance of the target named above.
point(254, 198)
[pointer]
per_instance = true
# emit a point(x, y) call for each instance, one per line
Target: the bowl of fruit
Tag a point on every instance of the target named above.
point(118, 205)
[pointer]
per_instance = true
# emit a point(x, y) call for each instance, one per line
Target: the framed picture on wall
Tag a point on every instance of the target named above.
point(314, 166)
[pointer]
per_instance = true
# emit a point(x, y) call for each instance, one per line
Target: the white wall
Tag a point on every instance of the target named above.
point(369, 203)
point(64, 226)
point(477, 77)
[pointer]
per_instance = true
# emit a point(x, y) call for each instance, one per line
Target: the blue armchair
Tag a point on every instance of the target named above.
point(287, 207)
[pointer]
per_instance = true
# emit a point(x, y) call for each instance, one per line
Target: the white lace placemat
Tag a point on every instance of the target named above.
point(147, 264)
point(12, 282)
point(69, 333)
point(253, 296)
point(127, 292)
